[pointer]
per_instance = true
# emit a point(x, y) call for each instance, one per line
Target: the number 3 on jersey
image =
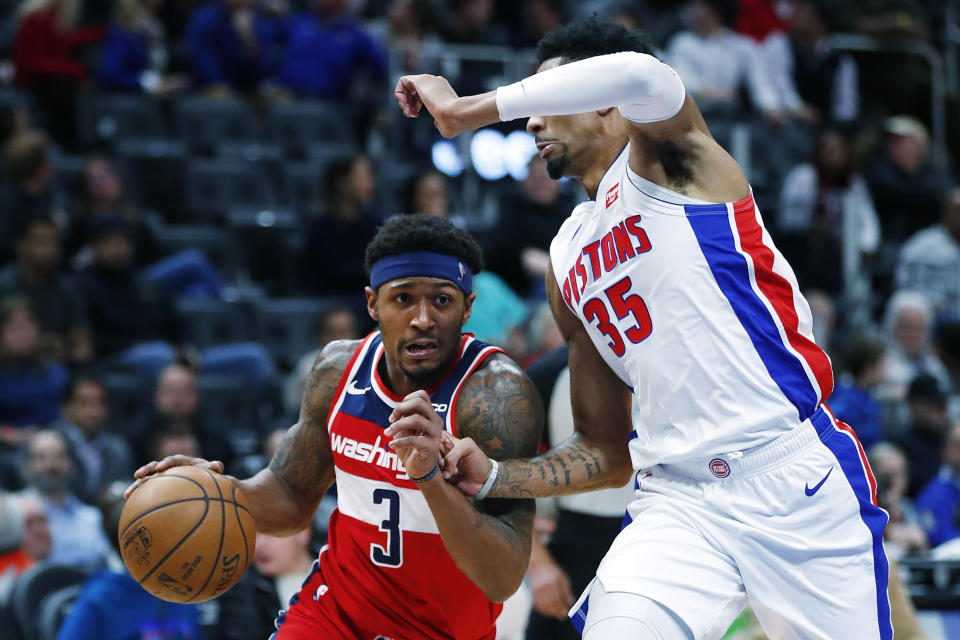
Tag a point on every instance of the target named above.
point(623, 305)
point(391, 554)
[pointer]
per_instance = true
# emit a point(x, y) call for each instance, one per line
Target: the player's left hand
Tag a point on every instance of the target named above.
point(415, 428)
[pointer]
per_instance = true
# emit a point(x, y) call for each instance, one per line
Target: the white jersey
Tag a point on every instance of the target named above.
point(696, 311)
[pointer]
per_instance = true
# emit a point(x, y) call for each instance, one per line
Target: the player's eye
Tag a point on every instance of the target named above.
point(402, 298)
point(443, 299)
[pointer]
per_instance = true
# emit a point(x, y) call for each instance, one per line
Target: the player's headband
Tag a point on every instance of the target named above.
point(423, 264)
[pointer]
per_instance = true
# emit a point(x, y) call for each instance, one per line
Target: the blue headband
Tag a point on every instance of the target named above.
point(423, 264)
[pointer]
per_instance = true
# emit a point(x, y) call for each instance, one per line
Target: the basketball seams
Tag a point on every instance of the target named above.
point(206, 510)
point(223, 526)
point(156, 508)
point(246, 545)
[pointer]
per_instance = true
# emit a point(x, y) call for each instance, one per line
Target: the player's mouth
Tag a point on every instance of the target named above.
point(548, 148)
point(421, 349)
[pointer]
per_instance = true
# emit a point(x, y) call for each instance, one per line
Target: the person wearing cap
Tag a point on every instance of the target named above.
point(408, 555)
point(928, 431)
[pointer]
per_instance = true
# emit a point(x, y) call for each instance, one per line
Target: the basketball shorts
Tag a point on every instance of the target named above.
point(791, 527)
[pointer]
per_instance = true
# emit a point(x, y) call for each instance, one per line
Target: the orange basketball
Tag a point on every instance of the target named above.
point(187, 534)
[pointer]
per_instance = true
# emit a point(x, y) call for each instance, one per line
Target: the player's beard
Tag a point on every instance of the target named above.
point(557, 166)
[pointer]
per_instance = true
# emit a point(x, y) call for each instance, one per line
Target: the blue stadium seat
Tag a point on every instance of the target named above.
point(213, 187)
point(37, 583)
point(111, 117)
point(211, 240)
point(208, 322)
point(205, 122)
point(286, 326)
point(130, 402)
point(228, 409)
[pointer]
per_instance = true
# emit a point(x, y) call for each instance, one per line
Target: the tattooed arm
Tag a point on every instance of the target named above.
point(499, 408)
point(594, 457)
point(284, 496)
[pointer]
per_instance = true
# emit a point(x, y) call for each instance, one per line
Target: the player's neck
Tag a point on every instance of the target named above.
point(591, 178)
point(402, 384)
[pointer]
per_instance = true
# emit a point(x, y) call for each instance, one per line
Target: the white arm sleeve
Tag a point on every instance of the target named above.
point(642, 87)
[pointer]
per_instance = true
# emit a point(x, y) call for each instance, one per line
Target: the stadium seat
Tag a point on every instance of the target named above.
point(297, 126)
point(932, 584)
point(228, 408)
point(213, 187)
point(155, 170)
point(302, 186)
point(264, 238)
point(54, 609)
point(110, 117)
point(204, 123)
point(29, 592)
point(129, 400)
point(286, 326)
point(7, 623)
point(208, 239)
point(208, 322)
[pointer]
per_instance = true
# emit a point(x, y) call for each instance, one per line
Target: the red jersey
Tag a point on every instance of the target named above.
point(385, 567)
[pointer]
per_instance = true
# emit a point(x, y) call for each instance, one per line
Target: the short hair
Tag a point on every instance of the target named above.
point(926, 388)
point(865, 350)
point(74, 383)
point(423, 232)
point(25, 154)
point(336, 174)
point(588, 37)
point(36, 218)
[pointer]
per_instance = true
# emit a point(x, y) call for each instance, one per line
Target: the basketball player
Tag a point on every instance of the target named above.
point(408, 555)
point(677, 308)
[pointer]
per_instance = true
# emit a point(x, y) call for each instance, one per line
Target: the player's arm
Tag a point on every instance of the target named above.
point(284, 496)
point(500, 409)
point(594, 457)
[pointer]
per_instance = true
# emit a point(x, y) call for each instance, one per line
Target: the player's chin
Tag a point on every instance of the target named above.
point(557, 166)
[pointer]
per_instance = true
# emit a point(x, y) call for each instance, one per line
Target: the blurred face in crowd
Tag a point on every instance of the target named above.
point(113, 251)
point(40, 248)
point(177, 397)
point(703, 18)
point(360, 182)
point(906, 151)
point(48, 467)
point(180, 444)
point(910, 331)
point(104, 188)
point(87, 408)
point(874, 374)
point(430, 195)
point(20, 334)
point(278, 556)
point(37, 539)
point(337, 325)
point(951, 451)
point(538, 185)
point(833, 152)
point(892, 468)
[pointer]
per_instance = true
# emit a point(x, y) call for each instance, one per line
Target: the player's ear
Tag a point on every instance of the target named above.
point(371, 303)
point(467, 308)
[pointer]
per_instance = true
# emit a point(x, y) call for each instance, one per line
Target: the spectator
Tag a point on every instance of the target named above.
point(60, 309)
point(45, 60)
point(231, 45)
point(519, 251)
point(930, 260)
point(101, 457)
point(937, 503)
point(908, 325)
point(826, 79)
point(923, 444)
point(176, 407)
point(473, 22)
point(332, 258)
point(103, 192)
point(410, 27)
point(280, 566)
point(25, 518)
point(29, 188)
point(903, 533)
point(427, 192)
point(716, 62)
point(852, 399)
point(112, 606)
point(78, 539)
point(327, 50)
point(134, 56)
point(906, 186)
point(827, 220)
point(125, 310)
point(30, 386)
point(174, 441)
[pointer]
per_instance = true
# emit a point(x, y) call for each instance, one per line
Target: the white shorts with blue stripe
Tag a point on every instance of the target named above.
point(791, 527)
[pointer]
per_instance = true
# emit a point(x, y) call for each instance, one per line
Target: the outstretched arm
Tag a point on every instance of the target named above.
point(500, 408)
point(594, 457)
point(284, 496)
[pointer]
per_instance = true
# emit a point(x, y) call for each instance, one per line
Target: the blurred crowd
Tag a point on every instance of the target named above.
point(187, 189)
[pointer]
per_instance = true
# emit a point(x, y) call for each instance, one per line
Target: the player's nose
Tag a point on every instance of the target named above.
point(535, 125)
point(422, 318)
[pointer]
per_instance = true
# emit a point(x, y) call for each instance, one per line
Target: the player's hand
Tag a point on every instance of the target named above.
point(552, 591)
point(432, 92)
point(465, 465)
point(415, 428)
point(152, 468)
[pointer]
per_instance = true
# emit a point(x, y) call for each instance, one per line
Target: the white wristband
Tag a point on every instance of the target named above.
point(485, 489)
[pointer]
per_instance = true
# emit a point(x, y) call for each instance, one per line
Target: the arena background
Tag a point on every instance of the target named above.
point(187, 189)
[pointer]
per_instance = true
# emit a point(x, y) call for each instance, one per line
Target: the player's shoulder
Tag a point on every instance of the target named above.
point(334, 357)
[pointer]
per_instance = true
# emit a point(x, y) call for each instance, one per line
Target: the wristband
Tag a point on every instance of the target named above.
point(485, 489)
point(427, 477)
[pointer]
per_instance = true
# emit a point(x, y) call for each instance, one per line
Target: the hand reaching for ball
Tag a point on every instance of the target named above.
point(155, 467)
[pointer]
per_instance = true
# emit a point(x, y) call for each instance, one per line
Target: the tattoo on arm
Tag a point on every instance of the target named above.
point(303, 461)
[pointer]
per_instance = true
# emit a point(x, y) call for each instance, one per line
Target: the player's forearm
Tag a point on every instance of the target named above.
point(574, 466)
point(489, 551)
point(276, 509)
point(467, 113)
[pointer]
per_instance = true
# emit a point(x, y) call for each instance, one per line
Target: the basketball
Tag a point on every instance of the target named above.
point(187, 534)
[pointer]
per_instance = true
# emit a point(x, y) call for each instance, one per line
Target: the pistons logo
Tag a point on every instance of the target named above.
point(719, 468)
point(612, 194)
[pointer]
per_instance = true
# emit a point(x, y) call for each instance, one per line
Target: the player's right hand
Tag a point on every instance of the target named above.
point(552, 591)
point(151, 468)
